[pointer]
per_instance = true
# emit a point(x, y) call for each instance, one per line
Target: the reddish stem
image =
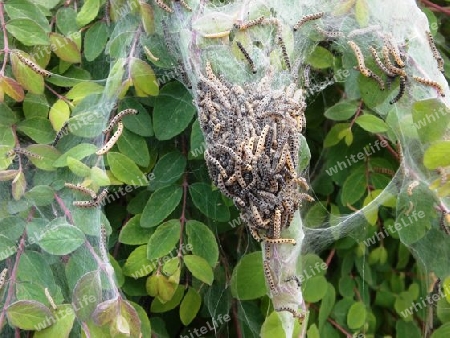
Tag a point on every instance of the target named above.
point(435, 7)
point(5, 38)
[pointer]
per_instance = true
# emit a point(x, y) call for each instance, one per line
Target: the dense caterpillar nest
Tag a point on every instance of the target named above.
point(252, 135)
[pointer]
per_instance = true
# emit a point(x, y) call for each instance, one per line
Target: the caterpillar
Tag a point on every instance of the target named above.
point(280, 240)
point(379, 63)
point(103, 236)
point(430, 83)
point(50, 299)
point(288, 309)
point(260, 223)
point(98, 201)
point(82, 189)
point(267, 251)
point(112, 140)
point(285, 55)
point(329, 34)
point(389, 65)
point(247, 56)
point(84, 204)
point(163, 6)
point(443, 174)
point(411, 187)
point(185, 5)
point(150, 54)
point(437, 56)
point(384, 171)
point(394, 51)
point(269, 276)
point(294, 278)
point(277, 224)
point(119, 117)
point(3, 277)
point(306, 72)
point(401, 90)
point(411, 207)
point(23, 152)
point(359, 57)
point(61, 133)
point(255, 234)
point(307, 18)
point(377, 78)
point(249, 24)
point(30, 64)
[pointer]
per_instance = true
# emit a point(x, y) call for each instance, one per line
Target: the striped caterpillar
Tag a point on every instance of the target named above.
point(119, 117)
point(411, 187)
point(280, 241)
point(163, 6)
point(61, 133)
point(379, 63)
point(50, 299)
point(150, 54)
point(249, 24)
point(269, 276)
point(307, 18)
point(437, 56)
point(112, 140)
point(292, 311)
point(329, 34)
point(401, 90)
point(431, 84)
point(103, 236)
point(389, 64)
point(23, 152)
point(247, 56)
point(82, 189)
point(361, 65)
point(30, 64)
point(185, 5)
point(394, 51)
point(92, 203)
point(3, 277)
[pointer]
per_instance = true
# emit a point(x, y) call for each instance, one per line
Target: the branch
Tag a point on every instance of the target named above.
point(435, 8)
point(5, 38)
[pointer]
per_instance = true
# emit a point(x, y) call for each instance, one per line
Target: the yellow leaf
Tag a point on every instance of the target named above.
point(12, 88)
point(65, 48)
point(28, 78)
point(59, 113)
point(143, 77)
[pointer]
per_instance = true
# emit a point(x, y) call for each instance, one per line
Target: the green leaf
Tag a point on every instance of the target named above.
point(125, 169)
point(247, 281)
point(320, 58)
point(354, 187)
point(66, 49)
point(168, 170)
point(362, 13)
point(335, 134)
point(39, 129)
point(62, 327)
point(372, 123)
point(342, 111)
point(133, 234)
point(78, 152)
point(408, 329)
point(66, 20)
point(313, 332)
point(28, 32)
point(62, 240)
point(159, 307)
point(87, 287)
point(29, 314)
point(140, 124)
point(197, 142)
point(95, 40)
point(7, 116)
point(88, 12)
point(82, 90)
point(8, 247)
point(203, 241)
point(135, 147)
point(199, 268)
point(431, 119)
point(59, 114)
point(356, 316)
point(27, 78)
point(315, 289)
point(272, 326)
point(164, 239)
point(442, 332)
point(147, 17)
point(48, 153)
point(160, 205)
point(40, 195)
point(78, 168)
point(437, 155)
point(35, 106)
point(22, 9)
point(173, 111)
point(137, 264)
point(144, 79)
point(326, 306)
point(209, 202)
point(190, 306)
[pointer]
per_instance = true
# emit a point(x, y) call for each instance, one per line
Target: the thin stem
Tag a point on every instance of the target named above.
point(59, 96)
point(64, 208)
point(358, 112)
point(5, 38)
point(330, 257)
point(435, 7)
point(185, 192)
point(12, 280)
point(388, 147)
point(133, 47)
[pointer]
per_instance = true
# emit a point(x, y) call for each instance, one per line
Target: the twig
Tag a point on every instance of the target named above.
point(5, 38)
point(330, 257)
point(435, 8)
point(388, 147)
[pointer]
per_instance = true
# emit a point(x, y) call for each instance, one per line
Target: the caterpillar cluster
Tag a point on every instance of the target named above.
point(30, 64)
point(108, 145)
point(252, 154)
point(93, 203)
